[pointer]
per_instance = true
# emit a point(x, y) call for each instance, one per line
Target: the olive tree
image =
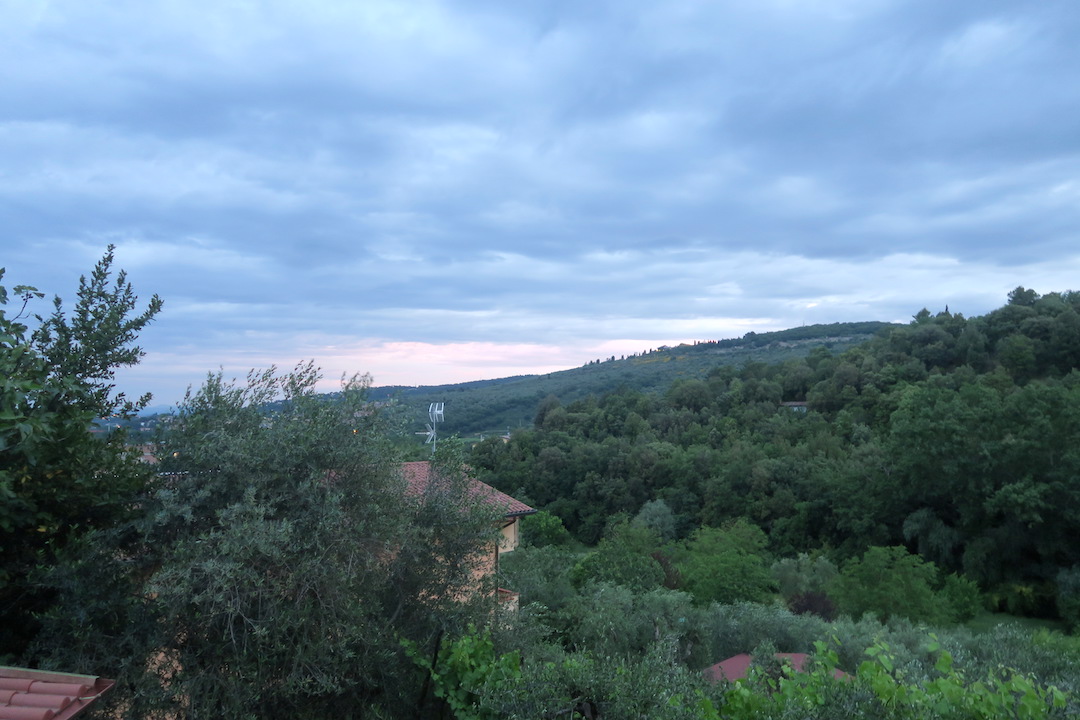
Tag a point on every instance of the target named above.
point(280, 561)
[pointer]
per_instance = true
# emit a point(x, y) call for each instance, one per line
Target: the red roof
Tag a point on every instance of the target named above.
point(419, 475)
point(737, 667)
point(37, 695)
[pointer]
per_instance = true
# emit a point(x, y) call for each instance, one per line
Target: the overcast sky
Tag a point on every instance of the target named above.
point(445, 191)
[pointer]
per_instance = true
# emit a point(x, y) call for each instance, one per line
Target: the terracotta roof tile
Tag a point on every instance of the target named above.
point(737, 667)
point(37, 695)
point(419, 475)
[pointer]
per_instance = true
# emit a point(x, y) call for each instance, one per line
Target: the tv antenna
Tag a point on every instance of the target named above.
point(435, 416)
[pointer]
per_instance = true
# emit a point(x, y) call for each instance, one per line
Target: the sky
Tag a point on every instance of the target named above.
point(435, 192)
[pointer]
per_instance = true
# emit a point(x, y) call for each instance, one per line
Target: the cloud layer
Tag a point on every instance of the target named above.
point(442, 191)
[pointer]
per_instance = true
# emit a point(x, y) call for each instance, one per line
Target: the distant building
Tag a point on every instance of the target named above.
point(147, 453)
point(420, 475)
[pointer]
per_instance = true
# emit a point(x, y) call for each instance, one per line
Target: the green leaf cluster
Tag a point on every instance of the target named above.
point(57, 480)
point(891, 582)
point(464, 668)
point(727, 564)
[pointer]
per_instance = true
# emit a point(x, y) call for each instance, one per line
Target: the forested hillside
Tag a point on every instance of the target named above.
point(955, 437)
point(494, 406)
point(280, 566)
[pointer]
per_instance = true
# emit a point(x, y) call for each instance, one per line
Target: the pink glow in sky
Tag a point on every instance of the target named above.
point(454, 191)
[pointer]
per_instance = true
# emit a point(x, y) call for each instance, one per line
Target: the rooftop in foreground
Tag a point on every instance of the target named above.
point(38, 695)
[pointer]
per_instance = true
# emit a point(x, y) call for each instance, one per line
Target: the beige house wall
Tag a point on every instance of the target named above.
point(511, 531)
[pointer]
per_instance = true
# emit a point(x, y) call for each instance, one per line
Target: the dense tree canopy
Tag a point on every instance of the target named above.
point(279, 567)
point(955, 437)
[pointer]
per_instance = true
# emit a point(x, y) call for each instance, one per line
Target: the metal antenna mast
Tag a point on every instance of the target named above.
point(435, 416)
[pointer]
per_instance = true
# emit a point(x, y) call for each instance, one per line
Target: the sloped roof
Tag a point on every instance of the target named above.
point(419, 476)
point(36, 695)
point(738, 666)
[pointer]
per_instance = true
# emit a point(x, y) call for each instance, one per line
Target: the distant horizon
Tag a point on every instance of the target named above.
point(162, 408)
point(448, 191)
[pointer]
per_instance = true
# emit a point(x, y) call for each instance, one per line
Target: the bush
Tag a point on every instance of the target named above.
point(612, 620)
point(879, 688)
point(1051, 656)
point(732, 629)
point(889, 582)
point(461, 669)
point(588, 685)
point(963, 597)
point(623, 558)
point(544, 528)
point(727, 564)
point(802, 575)
point(542, 577)
point(814, 603)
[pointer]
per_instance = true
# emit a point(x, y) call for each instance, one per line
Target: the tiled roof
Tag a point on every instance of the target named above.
point(737, 667)
point(419, 475)
point(37, 695)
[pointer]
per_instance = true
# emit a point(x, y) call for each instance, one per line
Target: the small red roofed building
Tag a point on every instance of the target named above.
point(738, 666)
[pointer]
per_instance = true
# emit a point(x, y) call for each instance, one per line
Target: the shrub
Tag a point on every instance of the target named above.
point(962, 596)
point(727, 564)
point(889, 581)
point(732, 629)
point(879, 688)
point(589, 685)
point(1050, 656)
point(803, 574)
point(544, 528)
point(542, 577)
point(623, 558)
point(612, 620)
point(462, 668)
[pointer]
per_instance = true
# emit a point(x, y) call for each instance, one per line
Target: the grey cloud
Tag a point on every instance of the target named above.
point(549, 172)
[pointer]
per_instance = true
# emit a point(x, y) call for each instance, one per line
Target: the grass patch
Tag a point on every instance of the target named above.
point(986, 621)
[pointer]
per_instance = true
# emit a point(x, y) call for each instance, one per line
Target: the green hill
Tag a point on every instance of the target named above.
point(493, 406)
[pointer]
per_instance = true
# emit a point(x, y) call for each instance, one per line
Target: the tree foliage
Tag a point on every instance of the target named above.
point(622, 558)
point(727, 564)
point(280, 560)
point(542, 528)
point(952, 436)
point(98, 338)
point(1068, 597)
point(494, 406)
point(57, 481)
point(889, 581)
